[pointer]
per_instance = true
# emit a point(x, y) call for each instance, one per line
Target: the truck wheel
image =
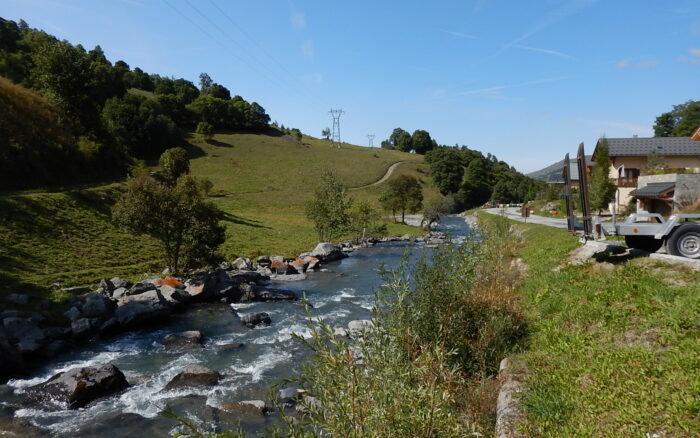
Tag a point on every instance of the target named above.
point(646, 243)
point(685, 241)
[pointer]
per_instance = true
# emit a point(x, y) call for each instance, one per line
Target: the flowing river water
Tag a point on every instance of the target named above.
point(269, 353)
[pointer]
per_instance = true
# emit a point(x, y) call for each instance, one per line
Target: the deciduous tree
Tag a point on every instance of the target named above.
point(329, 209)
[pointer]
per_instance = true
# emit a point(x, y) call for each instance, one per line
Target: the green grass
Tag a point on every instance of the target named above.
point(613, 349)
point(261, 181)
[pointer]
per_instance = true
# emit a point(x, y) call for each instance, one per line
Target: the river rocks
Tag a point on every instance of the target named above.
point(312, 262)
point(141, 309)
point(247, 276)
point(28, 337)
point(194, 375)
point(97, 305)
point(119, 293)
point(243, 264)
point(201, 288)
point(107, 286)
point(73, 313)
point(288, 277)
point(264, 261)
point(109, 327)
point(141, 287)
point(183, 339)
point(327, 252)
point(254, 319)
point(79, 386)
point(81, 327)
point(120, 282)
point(274, 295)
point(21, 299)
point(245, 408)
point(234, 346)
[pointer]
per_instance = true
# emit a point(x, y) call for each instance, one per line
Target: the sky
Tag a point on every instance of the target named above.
point(526, 81)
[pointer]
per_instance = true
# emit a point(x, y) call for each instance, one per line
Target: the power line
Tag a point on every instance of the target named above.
point(335, 135)
point(370, 137)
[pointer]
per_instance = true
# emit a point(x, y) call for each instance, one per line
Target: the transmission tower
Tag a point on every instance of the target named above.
point(370, 137)
point(335, 135)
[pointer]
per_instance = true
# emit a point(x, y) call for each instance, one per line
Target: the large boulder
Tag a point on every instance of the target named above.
point(142, 309)
point(254, 319)
point(141, 287)
point(97, 305)
point(79, 386)
point(327, 252)
point(247, 276)
point(26, 335)
point(194, 375)
point(299, 266)
point(201, 288)
point(183, 339)
point(81, 327)
point(120, 282)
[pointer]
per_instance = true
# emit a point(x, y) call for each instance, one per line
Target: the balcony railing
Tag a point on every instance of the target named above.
point(627, 182)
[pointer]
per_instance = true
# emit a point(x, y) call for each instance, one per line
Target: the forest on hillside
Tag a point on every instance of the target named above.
point(68, 115)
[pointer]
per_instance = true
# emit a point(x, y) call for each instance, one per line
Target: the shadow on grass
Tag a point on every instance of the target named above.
point(238, 220)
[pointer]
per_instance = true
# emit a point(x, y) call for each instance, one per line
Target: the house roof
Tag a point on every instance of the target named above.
point(696, 134)
point(663, 146)
point(653, 190)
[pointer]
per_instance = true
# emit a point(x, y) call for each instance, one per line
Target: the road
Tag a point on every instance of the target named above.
point(386, 176)
point(514, 213)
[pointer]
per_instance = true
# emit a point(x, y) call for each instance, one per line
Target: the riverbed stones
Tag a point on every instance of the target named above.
point(243, 264)
point(233, 346)
point(26, 335)
point(255, 319)
point(245, 407)
point(141, 309)
point(120, 282)
point(73, 313)
point(141, 287)
point(79, 386)
point(21, 299)
point(81, 327)
point(327, 252)
point(97, 305)
point(188, 338)
point(194, 375)
point(269, 294)
point(11, 361)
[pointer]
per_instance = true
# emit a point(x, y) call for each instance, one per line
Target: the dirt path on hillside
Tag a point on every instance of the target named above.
point(386, 176)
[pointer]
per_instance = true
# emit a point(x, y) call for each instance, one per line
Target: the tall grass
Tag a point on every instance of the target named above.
point(434, 343)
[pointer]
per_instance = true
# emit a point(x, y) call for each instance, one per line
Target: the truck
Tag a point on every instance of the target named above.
point(680, 233)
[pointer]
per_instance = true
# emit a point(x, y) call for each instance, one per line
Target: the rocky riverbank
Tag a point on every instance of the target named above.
point(118, 306)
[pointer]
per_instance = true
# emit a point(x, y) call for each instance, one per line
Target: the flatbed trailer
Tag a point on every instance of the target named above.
point(680, 233)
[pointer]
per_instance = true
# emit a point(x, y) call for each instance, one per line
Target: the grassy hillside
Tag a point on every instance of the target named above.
point(261, 181)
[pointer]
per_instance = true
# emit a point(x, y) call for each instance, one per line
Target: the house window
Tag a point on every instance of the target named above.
point(631, 173)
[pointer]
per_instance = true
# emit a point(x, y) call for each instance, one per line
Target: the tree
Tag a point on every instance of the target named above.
point(206, 130)
point(205, 81)
point(404, 142)
point(187, 226)
point(681, 121)
point(218, 91)
point(474, 189)
point(602, 189)
point(421, 141)
point(404, 195)
point(394, 137)
point(326, 133)
point(446, 168)
point(174, 163)
point(433, 208)
point(329, 207)
point(364, 221)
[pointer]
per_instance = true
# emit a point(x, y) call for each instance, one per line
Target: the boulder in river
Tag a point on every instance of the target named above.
point(97, 305)
point(183, 339)
point(269, 294)
point(194, 375)
point(243, 264)
point(245, 408)
point(254, 319)
point(79, 386)
point(327, 252)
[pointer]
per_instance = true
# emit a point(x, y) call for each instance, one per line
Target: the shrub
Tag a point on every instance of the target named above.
point(174, 163)
point(206, 130)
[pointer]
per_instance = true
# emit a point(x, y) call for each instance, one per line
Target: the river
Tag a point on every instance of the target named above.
point(269, 353)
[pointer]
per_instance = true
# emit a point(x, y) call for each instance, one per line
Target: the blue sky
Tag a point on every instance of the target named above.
point(524, 80)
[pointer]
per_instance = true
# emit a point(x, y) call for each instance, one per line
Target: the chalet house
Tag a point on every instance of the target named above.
point(629, 159)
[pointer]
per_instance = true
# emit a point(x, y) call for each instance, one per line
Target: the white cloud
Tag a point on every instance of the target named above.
point(298, 20)
point(694, 57)
point(547, 51)
point(308, 48)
